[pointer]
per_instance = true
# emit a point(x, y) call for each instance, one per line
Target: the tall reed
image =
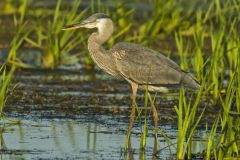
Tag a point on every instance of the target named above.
point(8, 68)
point(5, 79)
point(57, 44)
point(187, 122)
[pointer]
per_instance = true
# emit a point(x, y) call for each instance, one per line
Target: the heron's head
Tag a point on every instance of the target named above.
point(98, 20)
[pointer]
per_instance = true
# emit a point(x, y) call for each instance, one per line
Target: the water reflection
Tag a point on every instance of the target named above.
point(5, 151)
point(71, 139)
point(3, 145)
point(131, 155)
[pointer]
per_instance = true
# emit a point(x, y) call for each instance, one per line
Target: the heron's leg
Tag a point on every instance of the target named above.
point(134, 93)
point(155, 113)
point(132, 115)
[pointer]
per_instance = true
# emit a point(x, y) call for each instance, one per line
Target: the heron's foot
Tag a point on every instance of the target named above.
point(129, 152)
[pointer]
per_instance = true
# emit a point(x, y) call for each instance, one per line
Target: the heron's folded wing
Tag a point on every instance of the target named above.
point(145, 66)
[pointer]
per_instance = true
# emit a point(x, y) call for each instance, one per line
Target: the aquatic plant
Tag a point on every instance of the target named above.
point(20, 34)
point(6, 74)
point(8, 68)
point(5, 79)
point(58, 44)
point(187, 123)
point(226, 144)
point(13, 7)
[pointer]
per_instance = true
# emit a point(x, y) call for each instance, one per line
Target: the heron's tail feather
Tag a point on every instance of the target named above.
point(189, 81)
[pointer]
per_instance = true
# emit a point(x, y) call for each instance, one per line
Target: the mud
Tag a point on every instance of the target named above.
point(83, 114)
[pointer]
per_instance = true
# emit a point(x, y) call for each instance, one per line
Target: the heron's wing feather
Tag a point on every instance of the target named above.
point(145, 66)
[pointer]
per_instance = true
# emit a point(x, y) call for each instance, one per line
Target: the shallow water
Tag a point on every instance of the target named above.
point(83, 115)
point(74, 139)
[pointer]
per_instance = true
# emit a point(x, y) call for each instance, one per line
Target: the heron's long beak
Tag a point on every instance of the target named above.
point(74, 26)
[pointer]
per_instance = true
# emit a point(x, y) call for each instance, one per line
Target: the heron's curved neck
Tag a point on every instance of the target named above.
point(99, 55)
point(105, 30)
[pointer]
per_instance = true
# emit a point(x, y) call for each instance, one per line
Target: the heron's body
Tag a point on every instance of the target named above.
point(137, 64)
point(145, 66)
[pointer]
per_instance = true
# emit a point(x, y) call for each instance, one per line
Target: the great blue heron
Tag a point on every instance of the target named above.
point(138, 65)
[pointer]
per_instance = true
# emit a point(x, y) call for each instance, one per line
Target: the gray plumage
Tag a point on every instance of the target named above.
point(145, 66)
point(139, 65)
